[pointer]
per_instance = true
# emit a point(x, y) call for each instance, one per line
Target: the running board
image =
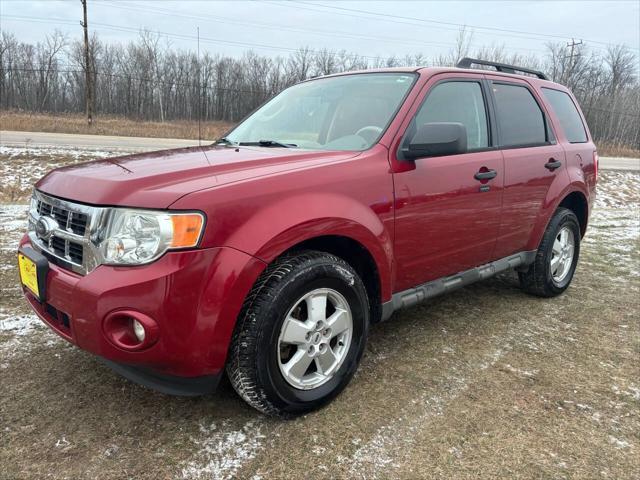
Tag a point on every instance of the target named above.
point(412, 296)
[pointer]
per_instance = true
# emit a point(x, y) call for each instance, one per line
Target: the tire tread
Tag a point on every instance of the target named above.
point(241, 365)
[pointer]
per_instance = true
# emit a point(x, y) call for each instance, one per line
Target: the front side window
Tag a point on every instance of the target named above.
point(458, 102)
point(568, 115)
point(520, 120)
point(349, 112)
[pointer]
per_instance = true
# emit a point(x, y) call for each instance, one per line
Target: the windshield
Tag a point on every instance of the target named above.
point(339, 113)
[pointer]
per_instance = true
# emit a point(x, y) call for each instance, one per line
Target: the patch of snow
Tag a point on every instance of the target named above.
point(521, 372)
point(378, 454)
point(21, 325)
point(13, 224)
point(222, 450)
point(618, 443)
point(75, 153)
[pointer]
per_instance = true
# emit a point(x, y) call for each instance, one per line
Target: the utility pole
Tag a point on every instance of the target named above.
point(87, 66)
point(199, 93)
point(569, 70)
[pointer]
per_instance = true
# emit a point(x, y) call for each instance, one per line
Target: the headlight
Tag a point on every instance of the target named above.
point(134, 237)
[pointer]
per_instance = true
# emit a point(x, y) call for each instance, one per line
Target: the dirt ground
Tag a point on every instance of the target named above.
point(484, 383)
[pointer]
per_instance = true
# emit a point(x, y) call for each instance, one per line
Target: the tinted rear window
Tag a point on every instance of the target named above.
point(520, 119)
point(568, 115)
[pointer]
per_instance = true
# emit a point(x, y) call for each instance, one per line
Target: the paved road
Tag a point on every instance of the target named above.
point(89, 142)
point(105, 142)
point(619, 163)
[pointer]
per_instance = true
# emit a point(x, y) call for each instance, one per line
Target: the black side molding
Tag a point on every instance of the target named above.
point(412, 296)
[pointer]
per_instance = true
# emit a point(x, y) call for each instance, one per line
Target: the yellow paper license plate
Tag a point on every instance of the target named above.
point(29, 274)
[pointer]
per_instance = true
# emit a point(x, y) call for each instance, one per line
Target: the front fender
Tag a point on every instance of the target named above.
point(268, 232)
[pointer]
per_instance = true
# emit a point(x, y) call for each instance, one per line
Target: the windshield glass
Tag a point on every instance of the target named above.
point(340, 113)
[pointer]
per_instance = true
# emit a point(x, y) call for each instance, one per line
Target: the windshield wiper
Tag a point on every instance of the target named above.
point(225, 141)
point(269, 143)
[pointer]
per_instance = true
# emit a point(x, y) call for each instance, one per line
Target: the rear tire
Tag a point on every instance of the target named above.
point(557, 257)
point(284, 358)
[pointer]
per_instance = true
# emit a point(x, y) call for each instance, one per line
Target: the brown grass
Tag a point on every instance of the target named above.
point(109, 125)
point(484, 383)
point(613, 150)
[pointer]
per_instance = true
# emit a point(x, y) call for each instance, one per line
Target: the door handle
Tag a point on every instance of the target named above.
point(486, 175)
point(552, 164)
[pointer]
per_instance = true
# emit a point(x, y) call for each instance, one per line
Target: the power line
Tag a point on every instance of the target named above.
point(387, 16)
point(119, 28)
point(269, 26)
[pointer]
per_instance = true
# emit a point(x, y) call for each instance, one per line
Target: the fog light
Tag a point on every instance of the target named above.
point(138, 330)
point(131, 330)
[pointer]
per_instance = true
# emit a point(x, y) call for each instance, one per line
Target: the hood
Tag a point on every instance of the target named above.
point(157, 179)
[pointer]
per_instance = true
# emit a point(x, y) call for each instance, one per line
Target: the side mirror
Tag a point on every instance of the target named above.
point(436, 139)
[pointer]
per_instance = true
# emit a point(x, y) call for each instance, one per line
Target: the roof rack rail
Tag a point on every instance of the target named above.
point(466, 62)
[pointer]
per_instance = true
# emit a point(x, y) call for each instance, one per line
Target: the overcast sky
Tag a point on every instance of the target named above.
point(277, 27)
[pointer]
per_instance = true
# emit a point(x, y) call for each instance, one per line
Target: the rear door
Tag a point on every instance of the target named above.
point(447, 219)
point(574, 135)
point(533, 160)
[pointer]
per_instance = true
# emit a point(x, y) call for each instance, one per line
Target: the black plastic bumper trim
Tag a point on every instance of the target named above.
point(169, 384)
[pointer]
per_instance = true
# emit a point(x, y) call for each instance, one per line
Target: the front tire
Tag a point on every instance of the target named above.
point(300, 335)
point(556, 258)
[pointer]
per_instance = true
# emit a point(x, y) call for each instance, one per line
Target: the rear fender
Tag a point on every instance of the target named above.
point(553, 200)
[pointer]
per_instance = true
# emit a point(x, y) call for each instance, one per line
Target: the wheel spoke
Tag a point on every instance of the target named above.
point(564, 237)
point(325, 360)
point(562, 268)
point(294, 331)
point(317, 307)
point(297, 366)
point(557, 247)
point(338, 322)
point(305, 356)
point(555, 261)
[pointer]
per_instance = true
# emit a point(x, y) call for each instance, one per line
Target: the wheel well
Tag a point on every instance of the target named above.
point(577, 203)
point(356, 255)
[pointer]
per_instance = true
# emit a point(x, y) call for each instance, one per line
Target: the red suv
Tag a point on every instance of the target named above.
point(270, 253)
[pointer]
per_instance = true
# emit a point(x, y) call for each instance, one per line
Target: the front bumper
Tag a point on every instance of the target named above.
point(194, 297)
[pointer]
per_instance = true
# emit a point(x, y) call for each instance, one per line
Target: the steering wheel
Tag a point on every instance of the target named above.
point(369, 133)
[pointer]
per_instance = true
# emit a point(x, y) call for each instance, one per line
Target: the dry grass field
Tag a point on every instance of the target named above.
point(109, 125)
point(484, 383)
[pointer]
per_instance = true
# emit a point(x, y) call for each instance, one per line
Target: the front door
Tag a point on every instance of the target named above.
point(448, 207)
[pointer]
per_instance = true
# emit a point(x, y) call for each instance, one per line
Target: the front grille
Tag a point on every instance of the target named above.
point(73, 221)
point(67, 241)
point(60, 319)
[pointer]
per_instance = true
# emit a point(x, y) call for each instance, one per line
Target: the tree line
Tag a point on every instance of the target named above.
point(148, 79)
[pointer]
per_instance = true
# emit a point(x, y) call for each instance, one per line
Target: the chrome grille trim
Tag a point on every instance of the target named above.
point(72, 234)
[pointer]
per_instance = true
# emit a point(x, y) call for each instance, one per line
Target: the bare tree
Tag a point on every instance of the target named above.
point(149, 79)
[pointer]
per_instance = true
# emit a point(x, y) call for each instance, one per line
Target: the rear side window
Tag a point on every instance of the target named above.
point(459, 102)
point(568, 115)
point(520, 120)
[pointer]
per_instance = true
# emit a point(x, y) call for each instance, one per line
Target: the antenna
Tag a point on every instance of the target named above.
point(199, 93)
